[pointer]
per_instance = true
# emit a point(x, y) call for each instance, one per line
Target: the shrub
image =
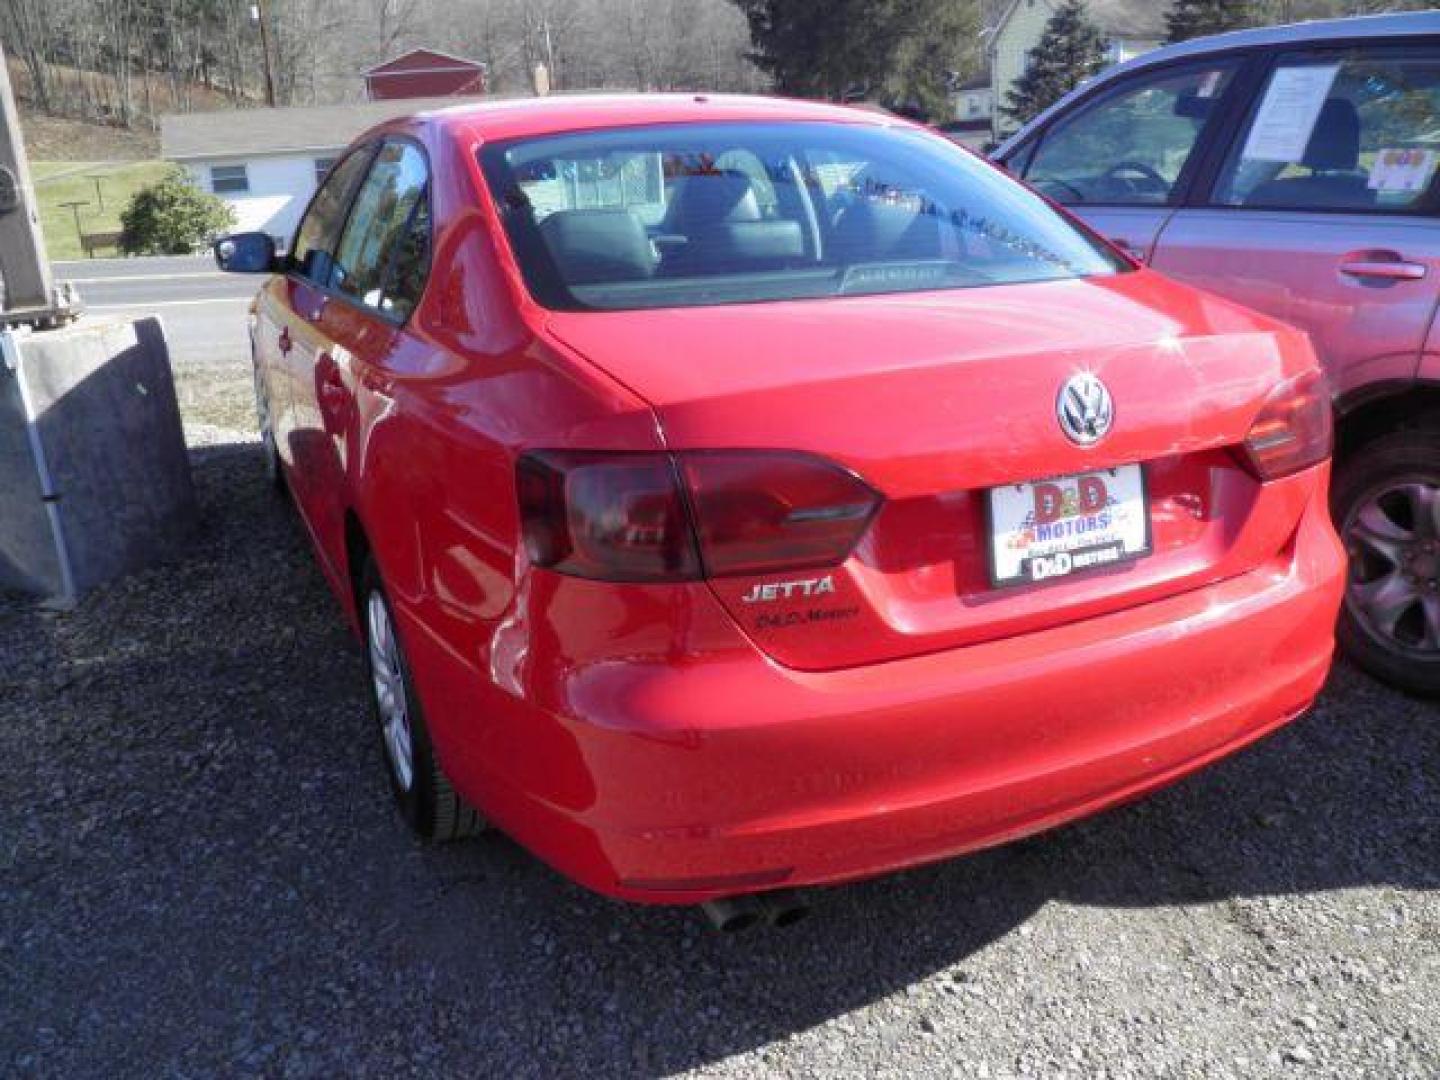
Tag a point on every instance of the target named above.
point(172, 217)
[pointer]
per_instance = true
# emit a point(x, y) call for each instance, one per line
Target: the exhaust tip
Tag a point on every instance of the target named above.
point(733, 914)
point(784, 909)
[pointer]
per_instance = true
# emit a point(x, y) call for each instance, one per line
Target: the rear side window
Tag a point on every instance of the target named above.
point(1354, 131)
point(685, 215)
point(381, 234)
point(1130, 147)
point(319, 229)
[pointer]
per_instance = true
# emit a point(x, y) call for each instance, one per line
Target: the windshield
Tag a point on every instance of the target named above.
point(683, 215)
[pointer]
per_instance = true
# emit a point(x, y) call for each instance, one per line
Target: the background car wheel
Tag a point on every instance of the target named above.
point(424, 794)
point(1386, 502)
point(268, 448)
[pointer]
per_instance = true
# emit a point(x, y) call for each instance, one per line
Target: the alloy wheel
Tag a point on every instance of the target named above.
point(1393, 538)
point(387, 675)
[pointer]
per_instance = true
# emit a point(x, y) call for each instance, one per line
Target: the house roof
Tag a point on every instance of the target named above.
point(1134, 20)
point(422, 60)
point(255, 132)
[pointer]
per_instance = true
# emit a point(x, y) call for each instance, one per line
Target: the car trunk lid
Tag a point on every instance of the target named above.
point(934, 399)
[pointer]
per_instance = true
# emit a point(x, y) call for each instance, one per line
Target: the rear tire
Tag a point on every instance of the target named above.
point(422, 792)
point(1386, 504)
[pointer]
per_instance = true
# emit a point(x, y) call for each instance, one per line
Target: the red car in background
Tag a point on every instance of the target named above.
point(737, 494)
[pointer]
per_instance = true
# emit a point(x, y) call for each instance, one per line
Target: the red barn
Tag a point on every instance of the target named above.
point(424, 73)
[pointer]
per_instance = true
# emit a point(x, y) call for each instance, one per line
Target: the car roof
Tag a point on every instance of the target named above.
point(529, 117)
point(1358, 28)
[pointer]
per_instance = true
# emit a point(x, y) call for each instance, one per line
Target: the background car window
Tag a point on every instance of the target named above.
point(319, 229)
point(1130, 147)
point(1353, 132)
point(736, 213)
point(378, 223)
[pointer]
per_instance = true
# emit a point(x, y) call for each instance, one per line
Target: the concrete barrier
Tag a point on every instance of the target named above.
point(94, 474)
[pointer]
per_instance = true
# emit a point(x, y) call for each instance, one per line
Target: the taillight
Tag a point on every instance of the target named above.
point(612, 517)
point(1295, 428)
point(664, 517)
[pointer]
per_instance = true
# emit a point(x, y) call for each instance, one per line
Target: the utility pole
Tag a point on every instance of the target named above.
point(260, 13)
point(30, 295)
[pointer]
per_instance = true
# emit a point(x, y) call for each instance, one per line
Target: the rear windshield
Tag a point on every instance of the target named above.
point(683, 215)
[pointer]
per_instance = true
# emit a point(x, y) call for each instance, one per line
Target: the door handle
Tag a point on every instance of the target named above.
point(284, 341)
point(1385, 270)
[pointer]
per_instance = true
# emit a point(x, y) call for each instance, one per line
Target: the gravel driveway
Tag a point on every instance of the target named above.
point(201, 874)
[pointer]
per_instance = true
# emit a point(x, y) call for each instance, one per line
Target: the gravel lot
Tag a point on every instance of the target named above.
point(202, 875)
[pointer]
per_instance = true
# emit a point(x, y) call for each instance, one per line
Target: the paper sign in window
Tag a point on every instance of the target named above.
point(1287, 116)
point(1403, 170)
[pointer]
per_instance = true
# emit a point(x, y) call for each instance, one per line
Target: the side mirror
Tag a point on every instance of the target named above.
point(247, 253)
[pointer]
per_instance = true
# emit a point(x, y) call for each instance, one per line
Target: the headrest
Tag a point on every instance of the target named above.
point(877, 231)
point(1335, 142)
point(598, 246)
point(702, 200)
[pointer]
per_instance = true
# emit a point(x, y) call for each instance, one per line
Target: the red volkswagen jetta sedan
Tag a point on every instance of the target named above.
point(734, 494)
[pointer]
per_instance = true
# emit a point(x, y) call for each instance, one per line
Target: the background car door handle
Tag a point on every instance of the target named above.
point(284, 341)
point(1385, 270)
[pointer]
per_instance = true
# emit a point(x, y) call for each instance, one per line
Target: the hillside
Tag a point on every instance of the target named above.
point(51, 138)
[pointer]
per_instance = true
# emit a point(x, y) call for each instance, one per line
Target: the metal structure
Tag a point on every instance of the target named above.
point(30, 295)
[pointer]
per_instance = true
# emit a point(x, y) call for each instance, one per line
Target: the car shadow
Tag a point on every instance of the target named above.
point(208, 871)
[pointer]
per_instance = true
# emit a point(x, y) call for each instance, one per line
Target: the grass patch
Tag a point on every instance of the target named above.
point(59, 182)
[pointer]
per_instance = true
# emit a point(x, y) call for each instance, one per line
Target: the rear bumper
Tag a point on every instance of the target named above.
point(734, 774)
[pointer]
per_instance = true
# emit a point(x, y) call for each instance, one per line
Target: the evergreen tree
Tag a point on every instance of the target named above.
point(897, 49)
point(1199, 18)
point(1070, 51)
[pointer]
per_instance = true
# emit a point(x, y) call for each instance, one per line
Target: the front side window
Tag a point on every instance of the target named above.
point(1130, 147)
point(229, 179)
point(698, 214)
point(379, 229)
point(1355, 131)
point(319, 230)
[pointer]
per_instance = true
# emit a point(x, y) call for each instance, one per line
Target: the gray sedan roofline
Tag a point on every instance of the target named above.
point(1364, 27)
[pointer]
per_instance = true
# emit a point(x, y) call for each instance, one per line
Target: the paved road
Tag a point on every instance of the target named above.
point(203, 309)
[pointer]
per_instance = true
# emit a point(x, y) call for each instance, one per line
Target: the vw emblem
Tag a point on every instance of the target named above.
point(1085, 409)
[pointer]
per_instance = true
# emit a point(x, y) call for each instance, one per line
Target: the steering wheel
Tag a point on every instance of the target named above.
point(1156, 183)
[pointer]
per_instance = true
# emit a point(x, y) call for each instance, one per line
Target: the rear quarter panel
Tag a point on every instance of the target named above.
point(465, 388)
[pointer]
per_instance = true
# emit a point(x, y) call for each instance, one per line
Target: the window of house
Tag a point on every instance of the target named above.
point(229, 179)
point(1130, 146)
point(1352, 132)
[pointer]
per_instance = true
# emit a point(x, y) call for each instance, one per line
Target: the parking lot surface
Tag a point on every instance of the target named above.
point(203, 875)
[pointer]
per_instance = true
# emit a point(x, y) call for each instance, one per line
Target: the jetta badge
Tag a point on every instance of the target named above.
point(1085, 409)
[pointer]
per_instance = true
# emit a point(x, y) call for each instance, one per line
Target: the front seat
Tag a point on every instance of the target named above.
point(723, 227)
point(1336, 180)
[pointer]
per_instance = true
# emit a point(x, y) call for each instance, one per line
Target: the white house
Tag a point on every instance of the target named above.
point(1130, 27)
point(972, 118)
point(266, 163)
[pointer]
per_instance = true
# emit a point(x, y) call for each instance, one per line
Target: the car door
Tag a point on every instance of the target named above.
point(1123, 158)
point(359, 326)
point(290, 318)
point(1321, 209)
